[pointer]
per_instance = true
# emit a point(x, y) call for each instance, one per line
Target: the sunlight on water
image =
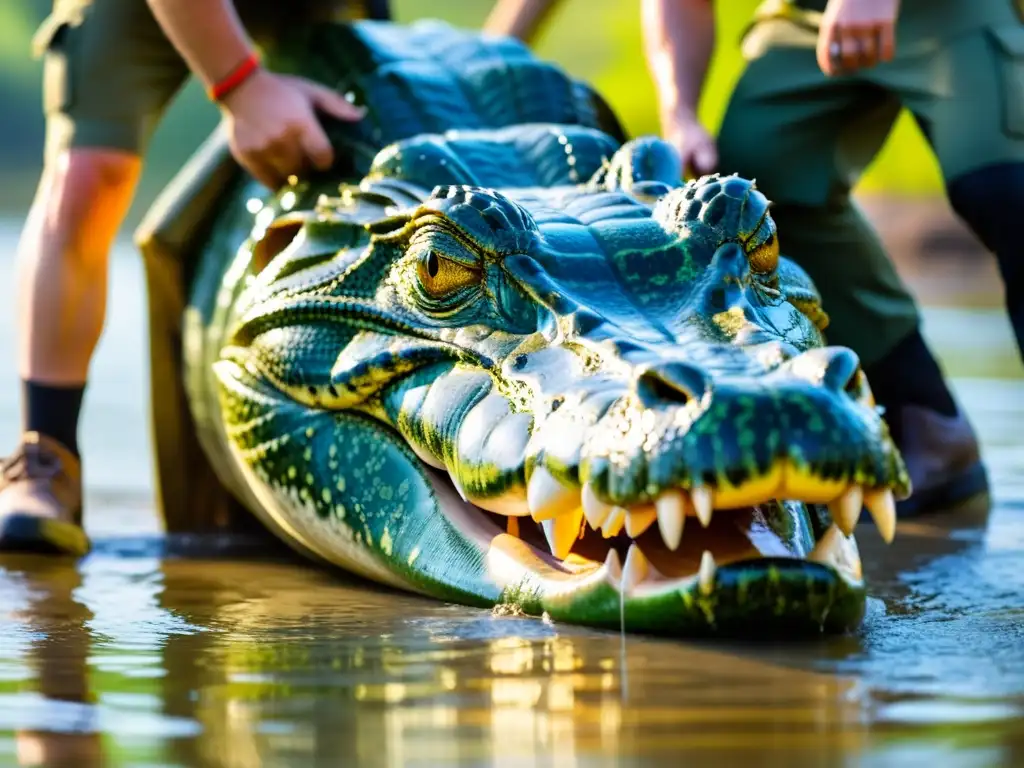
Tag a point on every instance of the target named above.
point(141, 658)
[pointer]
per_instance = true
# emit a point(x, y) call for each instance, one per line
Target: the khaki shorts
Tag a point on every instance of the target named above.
point(109, 72)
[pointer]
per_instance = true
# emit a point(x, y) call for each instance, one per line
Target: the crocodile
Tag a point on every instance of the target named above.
point(501, 355)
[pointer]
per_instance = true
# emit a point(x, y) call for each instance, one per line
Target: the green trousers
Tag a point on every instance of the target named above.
point(807, 138)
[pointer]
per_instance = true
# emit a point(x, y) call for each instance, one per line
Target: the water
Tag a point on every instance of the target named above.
point(155, 653)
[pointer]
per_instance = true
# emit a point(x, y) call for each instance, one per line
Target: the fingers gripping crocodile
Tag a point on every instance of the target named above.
point(508, 358)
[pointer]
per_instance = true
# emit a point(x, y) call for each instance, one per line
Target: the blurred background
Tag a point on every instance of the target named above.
point(598, 40)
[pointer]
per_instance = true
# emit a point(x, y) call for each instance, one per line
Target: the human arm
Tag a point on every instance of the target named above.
point(678, 41)
point(271, 119)
point(518, 18)
point(865, 31)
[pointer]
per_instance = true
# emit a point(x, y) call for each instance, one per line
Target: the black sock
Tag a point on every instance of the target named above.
point(910, 375)
point(53, 411)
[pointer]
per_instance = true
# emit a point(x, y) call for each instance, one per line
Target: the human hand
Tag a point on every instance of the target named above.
point(856, 34)
point(695, 145)
point(273, 128)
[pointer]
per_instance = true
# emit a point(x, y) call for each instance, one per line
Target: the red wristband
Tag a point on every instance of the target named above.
point(234, 78)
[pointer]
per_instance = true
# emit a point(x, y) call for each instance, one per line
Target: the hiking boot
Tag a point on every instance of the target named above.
point(942, 457)
point(41, 499)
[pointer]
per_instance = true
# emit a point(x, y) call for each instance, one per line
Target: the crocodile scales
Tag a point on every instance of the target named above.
point(503, 356)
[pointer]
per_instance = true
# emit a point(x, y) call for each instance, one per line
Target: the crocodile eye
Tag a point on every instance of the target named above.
point(441, 276)
point(764, 258)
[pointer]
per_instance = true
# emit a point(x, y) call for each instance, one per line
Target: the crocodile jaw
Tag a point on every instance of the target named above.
point(760, 582)
point(324, 478)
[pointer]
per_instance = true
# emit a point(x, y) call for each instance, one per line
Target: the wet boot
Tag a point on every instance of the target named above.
point(942, 457)
point(938, 443)
point(41, 499)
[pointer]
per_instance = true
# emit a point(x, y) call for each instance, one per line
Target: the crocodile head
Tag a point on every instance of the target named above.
point(577, 400)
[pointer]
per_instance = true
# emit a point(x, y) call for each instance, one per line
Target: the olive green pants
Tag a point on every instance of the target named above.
point(807, 138)
point(109, 72)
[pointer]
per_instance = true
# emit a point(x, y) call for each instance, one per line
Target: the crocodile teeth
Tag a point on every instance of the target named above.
point(639, 519)
point(823, 548)
point(613, 565)
point(562, 531)
point(671, 509)
point(635, 569)
point(548, 498)
point(706, 574)
point(614, 522)
point(882, 508)
point(701, 498)
point(595, 510)
point(458, 486)
point(845, 510)
point(838, 551)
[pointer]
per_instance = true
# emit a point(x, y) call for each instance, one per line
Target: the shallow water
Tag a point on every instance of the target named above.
point(155, 652)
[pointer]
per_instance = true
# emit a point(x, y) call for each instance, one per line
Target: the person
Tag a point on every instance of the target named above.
point(110, 69)
point(824, 82)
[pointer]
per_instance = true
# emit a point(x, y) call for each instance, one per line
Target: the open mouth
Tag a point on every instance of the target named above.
point(565, 534)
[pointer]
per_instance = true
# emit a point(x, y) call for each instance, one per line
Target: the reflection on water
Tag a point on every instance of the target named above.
point(195, 661)
point(155, 652)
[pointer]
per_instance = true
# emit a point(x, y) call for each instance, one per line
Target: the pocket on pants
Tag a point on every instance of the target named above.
point(1009, 42)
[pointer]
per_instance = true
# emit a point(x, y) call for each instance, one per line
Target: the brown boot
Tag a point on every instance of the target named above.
point(943, 460)
point(41, 499)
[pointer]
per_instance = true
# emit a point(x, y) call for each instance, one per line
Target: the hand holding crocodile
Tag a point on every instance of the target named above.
point(273, 128)
point(271, 119)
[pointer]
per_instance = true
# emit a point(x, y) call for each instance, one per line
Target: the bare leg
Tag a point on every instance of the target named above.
point(63, 259)
point(63, 262)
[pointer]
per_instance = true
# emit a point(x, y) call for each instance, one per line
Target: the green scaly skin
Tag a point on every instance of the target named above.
point(500, 301)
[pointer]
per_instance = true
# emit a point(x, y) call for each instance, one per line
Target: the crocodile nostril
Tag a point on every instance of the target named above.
point(716, 298)
point(835, 368)
point(677, 383)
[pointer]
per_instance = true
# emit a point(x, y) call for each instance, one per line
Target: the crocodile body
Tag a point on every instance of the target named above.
point(504, 357)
